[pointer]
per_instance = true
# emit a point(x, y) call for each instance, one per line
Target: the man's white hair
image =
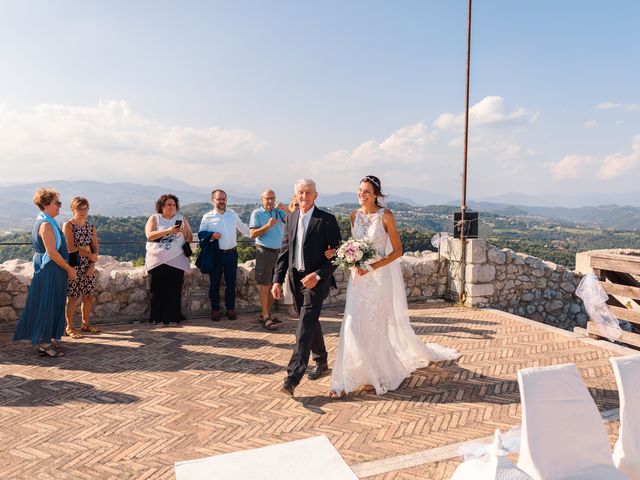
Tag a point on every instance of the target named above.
point(305, 181)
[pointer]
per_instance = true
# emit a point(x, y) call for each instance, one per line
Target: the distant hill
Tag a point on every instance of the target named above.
point(605, 216)
point(333, 199)
point(108, 199)
point(131, 199)
point(566, 201)
point(522, 229)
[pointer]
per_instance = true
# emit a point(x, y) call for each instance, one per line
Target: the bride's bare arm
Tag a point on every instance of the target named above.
point(390, 226)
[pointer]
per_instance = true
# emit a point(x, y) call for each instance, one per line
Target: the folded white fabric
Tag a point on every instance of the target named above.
point(493, 464)
point(563, 435)
point(626, 454)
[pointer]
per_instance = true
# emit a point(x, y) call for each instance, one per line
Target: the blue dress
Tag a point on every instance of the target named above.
point(43, 316)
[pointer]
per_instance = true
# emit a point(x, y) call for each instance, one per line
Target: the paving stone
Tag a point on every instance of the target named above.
point(130, 402)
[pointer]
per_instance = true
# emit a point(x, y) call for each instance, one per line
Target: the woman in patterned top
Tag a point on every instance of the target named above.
point(81, 238)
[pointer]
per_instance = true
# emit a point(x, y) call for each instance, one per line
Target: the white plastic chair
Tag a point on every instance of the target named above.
point(626, 453)
point(563, 435)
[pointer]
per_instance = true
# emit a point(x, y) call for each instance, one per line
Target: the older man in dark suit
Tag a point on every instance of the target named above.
point(309, 233)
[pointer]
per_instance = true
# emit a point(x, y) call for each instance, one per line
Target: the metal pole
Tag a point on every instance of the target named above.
point(463, 205)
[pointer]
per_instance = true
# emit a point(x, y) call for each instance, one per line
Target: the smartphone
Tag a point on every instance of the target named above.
point(178, 223)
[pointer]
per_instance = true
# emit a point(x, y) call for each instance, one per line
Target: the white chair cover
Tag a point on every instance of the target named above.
point(626, 454)
point(563, 435)
point(494, 465)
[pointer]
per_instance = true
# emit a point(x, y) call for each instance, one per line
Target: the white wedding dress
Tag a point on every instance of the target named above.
point(377, 344)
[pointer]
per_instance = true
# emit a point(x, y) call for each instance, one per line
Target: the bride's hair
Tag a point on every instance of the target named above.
point(377, 189)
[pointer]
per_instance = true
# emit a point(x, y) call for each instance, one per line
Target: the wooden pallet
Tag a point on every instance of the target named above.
point(616, 277)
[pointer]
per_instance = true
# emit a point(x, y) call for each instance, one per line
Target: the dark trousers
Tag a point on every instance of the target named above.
point(166, 294)
point(225, 263)
point(309, 337)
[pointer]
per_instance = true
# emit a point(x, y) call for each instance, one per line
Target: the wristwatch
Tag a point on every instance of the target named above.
point(318, 277)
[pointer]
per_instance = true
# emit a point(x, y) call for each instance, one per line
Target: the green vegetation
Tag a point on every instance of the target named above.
point(554, 240)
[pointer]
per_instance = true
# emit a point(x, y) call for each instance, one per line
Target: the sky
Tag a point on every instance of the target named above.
point(246, 94)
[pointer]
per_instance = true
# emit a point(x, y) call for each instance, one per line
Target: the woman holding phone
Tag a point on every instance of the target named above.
point(167, 231)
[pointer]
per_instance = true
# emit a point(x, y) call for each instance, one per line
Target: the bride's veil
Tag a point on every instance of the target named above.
point(409, 347)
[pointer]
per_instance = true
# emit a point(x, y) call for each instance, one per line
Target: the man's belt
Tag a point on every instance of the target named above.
point(229, 250)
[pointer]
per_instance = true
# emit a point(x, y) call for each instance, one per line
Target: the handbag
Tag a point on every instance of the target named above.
point(186, 248)
point(74, 259)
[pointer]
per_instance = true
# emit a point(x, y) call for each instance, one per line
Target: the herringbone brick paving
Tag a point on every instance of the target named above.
point(134, 400)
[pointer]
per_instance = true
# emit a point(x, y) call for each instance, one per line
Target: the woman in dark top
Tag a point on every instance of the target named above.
point(43, 319)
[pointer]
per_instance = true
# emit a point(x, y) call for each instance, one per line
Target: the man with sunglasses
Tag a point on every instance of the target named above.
point(266, 226)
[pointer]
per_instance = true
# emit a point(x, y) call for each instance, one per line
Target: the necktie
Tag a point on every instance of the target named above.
point(299, 258)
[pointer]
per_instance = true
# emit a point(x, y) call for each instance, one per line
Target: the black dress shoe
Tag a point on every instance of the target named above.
point(215, 315)
point(317, 370)
point(288, 388)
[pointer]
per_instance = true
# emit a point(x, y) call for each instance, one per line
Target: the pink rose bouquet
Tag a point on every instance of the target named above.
point(354, 253)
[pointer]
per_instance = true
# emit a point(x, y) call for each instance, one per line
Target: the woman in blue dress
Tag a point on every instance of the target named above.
point(43, 319)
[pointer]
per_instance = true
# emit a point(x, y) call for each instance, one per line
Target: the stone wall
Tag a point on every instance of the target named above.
point(516, 283)
point(123, 290)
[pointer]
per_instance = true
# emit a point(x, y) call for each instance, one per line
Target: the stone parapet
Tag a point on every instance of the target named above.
point(123, 290)
point(515, 282)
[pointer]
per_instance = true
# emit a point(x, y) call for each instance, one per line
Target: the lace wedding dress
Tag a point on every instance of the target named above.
point(377, 344)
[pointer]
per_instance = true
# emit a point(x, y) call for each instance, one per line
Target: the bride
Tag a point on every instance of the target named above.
point(378, 348)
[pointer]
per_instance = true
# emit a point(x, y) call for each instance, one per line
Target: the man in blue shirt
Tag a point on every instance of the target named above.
point(266, 226)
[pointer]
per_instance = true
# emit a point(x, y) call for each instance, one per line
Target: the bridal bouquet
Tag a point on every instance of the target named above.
point(354, 253)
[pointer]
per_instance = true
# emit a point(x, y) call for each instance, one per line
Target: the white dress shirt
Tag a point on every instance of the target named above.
point(303, 223)
point(225, 224)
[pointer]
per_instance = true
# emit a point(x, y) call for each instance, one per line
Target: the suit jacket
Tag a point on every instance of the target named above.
point(208, 251)
point(322, 233)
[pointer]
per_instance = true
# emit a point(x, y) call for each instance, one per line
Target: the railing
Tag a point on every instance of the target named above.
point(618, 276)
point(105, 250)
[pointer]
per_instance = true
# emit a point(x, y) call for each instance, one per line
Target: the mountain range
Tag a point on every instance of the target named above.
point(131, 199)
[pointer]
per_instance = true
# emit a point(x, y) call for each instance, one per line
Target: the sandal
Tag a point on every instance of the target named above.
point(275, 319)
point(89, 328)
point(72, 333)
point(50, 351)
point(268, 323)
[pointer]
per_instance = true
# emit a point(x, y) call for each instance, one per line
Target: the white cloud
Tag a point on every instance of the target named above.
point(629, 107)
point(619, 163)
point(110, 140)
point(590, 124)
point(408, 141)
point(405, 146)
point(584, 166)
point(490, 111)
point(572, 166)
point(432, 157)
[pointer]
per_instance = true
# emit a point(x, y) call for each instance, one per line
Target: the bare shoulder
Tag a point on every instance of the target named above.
point(45, 227)
point(387, 214)
point(353, 214)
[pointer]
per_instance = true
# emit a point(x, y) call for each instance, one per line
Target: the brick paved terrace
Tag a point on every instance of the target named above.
point(132, 401)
